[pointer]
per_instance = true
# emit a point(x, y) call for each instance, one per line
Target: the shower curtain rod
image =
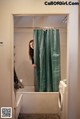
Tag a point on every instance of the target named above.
point(39, 28)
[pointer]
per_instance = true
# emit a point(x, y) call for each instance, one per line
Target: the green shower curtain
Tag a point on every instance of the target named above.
point(47, 60)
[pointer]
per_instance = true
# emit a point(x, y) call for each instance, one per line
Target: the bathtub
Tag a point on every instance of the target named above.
point(37, 102)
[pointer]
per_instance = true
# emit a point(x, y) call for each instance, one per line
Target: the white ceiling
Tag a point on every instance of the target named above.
point(40, 21)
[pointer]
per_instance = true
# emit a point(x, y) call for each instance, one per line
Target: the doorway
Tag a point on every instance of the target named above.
point(23, 32)
point(24, 28)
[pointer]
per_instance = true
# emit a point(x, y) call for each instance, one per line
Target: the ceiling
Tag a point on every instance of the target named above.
point(40, 21)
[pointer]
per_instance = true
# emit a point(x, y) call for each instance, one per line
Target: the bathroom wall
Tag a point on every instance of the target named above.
point(23, 64)
point(22, 37)
point(10, 7)
point(63, 46)
point(78, 103)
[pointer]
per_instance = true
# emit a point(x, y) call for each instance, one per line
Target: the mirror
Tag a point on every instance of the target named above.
point(40, 51)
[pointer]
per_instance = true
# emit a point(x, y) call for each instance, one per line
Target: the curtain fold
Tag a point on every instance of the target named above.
point(47, 60)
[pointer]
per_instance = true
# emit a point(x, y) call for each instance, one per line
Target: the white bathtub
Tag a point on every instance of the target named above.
point(38, 102)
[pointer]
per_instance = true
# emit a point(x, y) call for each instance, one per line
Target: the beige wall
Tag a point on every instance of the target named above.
point(9, 7)
point(23, 63)
point(72, 63)
point(79, 69)
point(63, 50)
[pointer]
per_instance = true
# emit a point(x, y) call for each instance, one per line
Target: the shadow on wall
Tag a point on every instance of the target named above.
point(25, 69)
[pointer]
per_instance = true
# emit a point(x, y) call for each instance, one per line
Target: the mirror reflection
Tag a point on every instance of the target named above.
point(40, 52)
